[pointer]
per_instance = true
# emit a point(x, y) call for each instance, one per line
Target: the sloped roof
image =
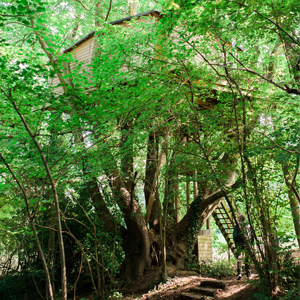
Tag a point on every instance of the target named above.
point(153, 12)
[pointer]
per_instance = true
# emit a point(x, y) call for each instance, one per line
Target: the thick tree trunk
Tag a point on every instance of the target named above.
point(180, 243)
point(182, 236)
point(136, 242)
point(135, 237)
point(136, 245)
point(152, 165)
point(295, 209)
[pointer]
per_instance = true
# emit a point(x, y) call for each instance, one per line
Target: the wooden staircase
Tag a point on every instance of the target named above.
point(225, 222)
point(207, 290)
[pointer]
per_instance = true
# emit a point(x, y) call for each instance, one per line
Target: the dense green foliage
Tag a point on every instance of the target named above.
point(207, 92)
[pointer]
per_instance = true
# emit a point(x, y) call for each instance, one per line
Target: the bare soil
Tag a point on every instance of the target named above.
point(172, 289)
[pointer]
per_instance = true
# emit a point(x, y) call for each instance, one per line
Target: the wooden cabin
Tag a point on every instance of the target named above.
point(83, 49)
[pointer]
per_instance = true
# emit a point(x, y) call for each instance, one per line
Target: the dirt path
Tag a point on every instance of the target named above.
point(237, 289)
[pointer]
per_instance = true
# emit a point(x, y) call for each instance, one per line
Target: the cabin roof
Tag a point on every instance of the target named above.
point(152, 12)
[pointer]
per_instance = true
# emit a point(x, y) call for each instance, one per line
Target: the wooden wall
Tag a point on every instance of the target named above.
point(83, 52)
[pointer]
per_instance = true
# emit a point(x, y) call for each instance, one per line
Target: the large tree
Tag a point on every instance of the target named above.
point(212, 91)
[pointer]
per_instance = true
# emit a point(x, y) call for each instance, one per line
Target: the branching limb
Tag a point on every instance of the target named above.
point(291, 185)
point(79, 1)
point(282, 148)
point(286, 88)
point(109, 9)
point(40, 250)
point(55, 196)
point(154, 183)
point(279, 27)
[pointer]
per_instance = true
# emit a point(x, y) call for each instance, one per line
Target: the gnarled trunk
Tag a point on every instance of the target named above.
point(180, 242)
point(152, 167)
point(136, 245)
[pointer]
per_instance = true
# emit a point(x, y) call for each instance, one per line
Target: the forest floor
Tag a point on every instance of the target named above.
point(185, 280)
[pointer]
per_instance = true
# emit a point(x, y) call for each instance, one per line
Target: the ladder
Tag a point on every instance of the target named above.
point(225, 222)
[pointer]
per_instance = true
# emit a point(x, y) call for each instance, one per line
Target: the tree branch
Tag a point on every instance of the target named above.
point(56, 200)
point(82, 4)
point(282, 148)
point(280, 28)
point(40, 250)
point(154, 183)
point(12, 16)
point(109, 9)
point(286, 88)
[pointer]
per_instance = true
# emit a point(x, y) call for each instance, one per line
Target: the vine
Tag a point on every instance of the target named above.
point(194, 228)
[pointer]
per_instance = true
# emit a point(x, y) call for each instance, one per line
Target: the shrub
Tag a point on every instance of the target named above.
point(217, 269)
point(15, 287)
point(289, 270)
point(289, 278)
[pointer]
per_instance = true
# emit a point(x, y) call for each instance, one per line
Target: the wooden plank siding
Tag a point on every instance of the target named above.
point(83, 53)
point(83, 49)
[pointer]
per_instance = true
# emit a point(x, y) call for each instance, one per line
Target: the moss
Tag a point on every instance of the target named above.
point(194, 225)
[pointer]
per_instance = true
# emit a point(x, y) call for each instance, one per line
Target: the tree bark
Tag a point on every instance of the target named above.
point(56, 201)
point(133, 5)
point(153, 165)
point(136, 240)
point(293, 201)
point(184, 233)
point(40, 250)
point(295, 213)
point(101, 209)
point(126, 149)
point(136, 243)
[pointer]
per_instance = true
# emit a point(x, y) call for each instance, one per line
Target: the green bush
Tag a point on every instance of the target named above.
point(264, 293)
point(217, 269)
point(289, 270)
point(289, 280)
point(16, 286)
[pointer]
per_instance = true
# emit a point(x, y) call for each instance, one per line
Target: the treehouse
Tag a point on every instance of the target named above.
point(84, 49)
point(83, 52)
